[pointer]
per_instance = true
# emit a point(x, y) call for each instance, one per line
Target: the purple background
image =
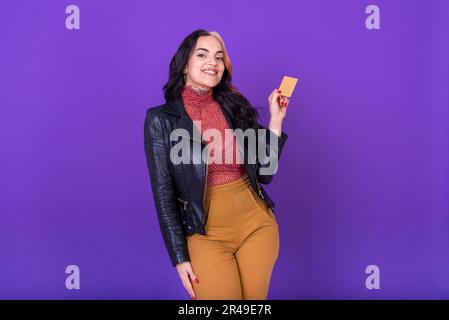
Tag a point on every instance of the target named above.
point(363, 178)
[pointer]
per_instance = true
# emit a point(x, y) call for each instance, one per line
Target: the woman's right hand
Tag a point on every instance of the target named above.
point(186, 274)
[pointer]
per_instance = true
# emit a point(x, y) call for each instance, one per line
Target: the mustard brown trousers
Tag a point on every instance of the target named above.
point(235, 258)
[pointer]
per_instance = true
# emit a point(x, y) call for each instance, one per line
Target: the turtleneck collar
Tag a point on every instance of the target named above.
point(192, 95)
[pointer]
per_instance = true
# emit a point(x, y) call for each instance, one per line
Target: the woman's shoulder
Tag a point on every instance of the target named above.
point(155, 117)
point(155, 110)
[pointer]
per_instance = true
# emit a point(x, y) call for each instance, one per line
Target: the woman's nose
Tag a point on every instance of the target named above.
point(212, 62)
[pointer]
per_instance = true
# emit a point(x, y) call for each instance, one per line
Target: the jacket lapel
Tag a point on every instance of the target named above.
point(176, 107)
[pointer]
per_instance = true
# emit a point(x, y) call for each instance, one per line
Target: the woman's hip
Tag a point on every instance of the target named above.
point(235, 205)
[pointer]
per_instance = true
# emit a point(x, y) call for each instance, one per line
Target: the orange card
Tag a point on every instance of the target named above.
point(287, 86)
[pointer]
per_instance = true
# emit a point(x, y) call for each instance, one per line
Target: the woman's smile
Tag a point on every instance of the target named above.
point(210, 72)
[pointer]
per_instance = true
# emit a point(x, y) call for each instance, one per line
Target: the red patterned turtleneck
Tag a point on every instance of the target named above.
point(201, 106)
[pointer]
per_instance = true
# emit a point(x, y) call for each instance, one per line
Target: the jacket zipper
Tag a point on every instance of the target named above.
point(184, 202)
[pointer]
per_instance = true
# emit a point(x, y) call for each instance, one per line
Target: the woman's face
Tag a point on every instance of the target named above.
point(205, 66)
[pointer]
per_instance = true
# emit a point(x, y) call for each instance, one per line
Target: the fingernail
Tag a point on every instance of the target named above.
point(196, 280)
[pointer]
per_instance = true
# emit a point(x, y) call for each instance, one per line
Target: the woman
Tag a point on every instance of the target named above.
point(217, 221)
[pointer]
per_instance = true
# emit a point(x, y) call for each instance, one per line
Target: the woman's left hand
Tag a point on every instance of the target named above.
point(278, 105)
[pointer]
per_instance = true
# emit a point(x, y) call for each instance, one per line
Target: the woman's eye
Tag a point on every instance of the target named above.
point(203, 55)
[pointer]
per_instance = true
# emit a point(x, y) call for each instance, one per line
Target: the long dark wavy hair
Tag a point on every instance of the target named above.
point(245, 115)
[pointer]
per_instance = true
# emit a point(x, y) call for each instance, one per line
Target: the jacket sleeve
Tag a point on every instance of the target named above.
point(163, 189)
point(268, 157)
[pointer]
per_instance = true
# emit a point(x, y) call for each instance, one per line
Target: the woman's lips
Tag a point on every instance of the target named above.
point(210, 73)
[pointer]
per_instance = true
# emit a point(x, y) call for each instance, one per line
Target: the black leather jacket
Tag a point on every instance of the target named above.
point(179, 189)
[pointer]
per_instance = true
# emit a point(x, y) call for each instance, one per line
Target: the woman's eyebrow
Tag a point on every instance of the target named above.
point(208, 50)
